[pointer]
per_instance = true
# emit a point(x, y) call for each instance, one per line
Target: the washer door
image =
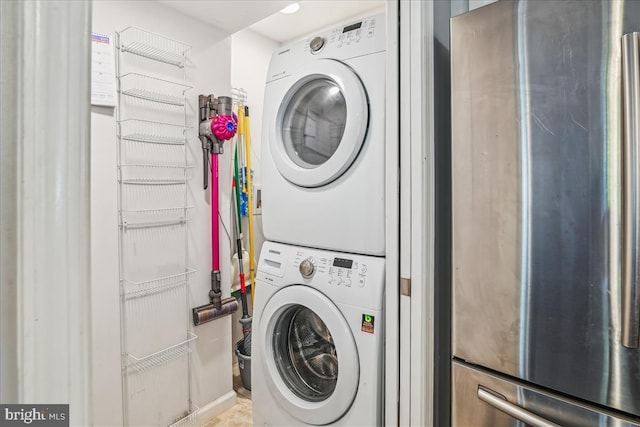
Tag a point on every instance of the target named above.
point(310, 357)
point(321, 124)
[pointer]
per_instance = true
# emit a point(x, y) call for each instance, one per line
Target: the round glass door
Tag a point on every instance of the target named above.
point(313, 123)
point(305, 354)
point(310, 359)
point(321, 124)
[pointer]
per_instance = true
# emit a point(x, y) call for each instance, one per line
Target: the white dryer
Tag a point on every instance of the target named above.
point(317, 339)
point(323, 142)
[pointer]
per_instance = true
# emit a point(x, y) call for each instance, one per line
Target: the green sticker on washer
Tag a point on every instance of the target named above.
point(367, 323)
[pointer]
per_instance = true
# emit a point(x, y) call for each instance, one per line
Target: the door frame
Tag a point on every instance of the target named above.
point(417, 214)
point(45, 280)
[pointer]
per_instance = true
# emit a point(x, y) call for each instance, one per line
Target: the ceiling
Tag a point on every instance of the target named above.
point(228, 15)
point(314, 15)
point(264, 17)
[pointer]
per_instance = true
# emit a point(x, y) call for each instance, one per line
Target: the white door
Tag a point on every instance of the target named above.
point(310, 358)
point(321, 123)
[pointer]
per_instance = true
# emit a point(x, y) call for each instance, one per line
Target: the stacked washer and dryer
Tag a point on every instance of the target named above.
point(318, 332)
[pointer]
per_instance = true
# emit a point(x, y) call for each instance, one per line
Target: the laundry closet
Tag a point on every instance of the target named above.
point(405, 215)
point(213, 231)
point(167, 348)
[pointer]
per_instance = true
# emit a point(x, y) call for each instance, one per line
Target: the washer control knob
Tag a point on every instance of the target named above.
point(307, 268)
point(316, 44)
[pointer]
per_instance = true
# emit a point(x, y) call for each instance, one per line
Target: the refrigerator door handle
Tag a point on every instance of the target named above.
point(630, 195)
point(500, 403)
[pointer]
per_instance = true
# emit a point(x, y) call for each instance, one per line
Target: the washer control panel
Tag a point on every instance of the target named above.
point(357, 280)
point(333, 270)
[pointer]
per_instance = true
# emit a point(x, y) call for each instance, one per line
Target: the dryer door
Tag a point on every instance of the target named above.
point(310, 357)
point(321, 123)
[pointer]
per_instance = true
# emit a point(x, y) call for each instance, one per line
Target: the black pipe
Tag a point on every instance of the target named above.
point(205, 161)
point(243, 295)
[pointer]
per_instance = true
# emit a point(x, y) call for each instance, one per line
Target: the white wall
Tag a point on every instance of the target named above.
point(209, 73)
point(250, 57)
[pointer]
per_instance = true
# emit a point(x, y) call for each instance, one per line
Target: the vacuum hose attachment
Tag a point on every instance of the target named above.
point(208, 312)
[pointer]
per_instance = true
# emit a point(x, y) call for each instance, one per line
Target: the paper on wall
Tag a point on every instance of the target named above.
point(103, 71)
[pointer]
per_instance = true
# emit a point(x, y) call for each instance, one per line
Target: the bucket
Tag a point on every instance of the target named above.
point(244, 363)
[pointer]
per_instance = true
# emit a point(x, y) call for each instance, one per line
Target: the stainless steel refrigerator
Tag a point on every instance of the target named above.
point(545, 211)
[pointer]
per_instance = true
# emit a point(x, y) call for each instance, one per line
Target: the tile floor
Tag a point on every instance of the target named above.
point(240, 415)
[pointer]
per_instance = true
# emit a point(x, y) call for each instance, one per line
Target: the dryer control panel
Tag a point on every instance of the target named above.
point(360, 38)
point(345, 36)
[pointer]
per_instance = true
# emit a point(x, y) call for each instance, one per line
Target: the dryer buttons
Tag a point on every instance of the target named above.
point(307, 267)
point(316, 44)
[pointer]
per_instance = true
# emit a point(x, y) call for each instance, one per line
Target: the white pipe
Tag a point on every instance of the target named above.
point(46, 59)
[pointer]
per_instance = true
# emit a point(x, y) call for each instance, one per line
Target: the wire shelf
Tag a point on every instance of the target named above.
point(153, 89)
point(155, 217)
point(153, 153)
point(154, 46)
point(239, 95)
point(153, 132)
point(155, 174)
point(188, 420)
point(162, 357)
point(150, 287)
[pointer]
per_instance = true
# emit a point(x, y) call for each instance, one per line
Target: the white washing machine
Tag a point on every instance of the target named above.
point(323, 142)
point(317, 339)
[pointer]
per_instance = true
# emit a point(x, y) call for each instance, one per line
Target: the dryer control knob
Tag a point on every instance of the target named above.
point(316, 44)
point(307, 268)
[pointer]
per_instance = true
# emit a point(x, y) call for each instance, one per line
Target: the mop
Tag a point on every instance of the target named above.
point(240, 182)
point(244, 345)
point(247, 131)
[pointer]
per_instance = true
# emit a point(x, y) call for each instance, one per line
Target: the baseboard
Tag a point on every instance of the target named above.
point(215, 408)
